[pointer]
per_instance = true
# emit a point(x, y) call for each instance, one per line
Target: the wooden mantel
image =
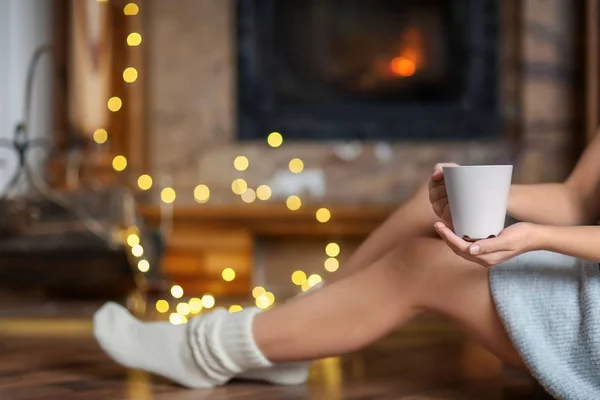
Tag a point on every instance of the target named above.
point(277, 220)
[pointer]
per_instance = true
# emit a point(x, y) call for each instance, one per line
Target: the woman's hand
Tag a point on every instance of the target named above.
point(512, 241)
point(438, 195)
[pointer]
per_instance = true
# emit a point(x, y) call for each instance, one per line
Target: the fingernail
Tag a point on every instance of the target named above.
point(438, 225)
point(475, 249)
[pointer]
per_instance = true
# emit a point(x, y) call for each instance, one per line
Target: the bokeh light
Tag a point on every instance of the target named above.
point(298, 277)
point(275, 139)
point(100, 136)
point(177, 291)
point(293, 203)
point(323, 215)
point(201, 193)
point(228, 274)
point(263, 192)
point(332, 249)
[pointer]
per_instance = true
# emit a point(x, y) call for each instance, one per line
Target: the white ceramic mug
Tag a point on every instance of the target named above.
point(478, 198)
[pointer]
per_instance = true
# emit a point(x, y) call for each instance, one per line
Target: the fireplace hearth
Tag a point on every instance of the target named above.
point(368, 70)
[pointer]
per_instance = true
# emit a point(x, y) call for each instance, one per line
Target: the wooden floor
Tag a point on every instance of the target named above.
point(55, 357)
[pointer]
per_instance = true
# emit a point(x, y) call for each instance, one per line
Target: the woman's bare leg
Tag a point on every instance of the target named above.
point(413, 218)
point(422, 274)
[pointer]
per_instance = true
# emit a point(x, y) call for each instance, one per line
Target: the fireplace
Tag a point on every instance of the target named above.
point(368, 70)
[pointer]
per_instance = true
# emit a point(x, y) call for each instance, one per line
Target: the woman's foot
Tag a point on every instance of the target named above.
point(208, 351)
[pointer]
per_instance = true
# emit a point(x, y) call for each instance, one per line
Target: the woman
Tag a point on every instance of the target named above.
point(528, 296)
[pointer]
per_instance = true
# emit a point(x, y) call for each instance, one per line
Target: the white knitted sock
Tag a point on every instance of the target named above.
point(207, 352)
point(283, 373)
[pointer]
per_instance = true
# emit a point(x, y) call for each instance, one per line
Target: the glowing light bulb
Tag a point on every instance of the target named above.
point(263, 192)
point(131, 9)
point(162, 306)
point(143, 266)
point(130, 75)
point(241, 163)
point(249, 196)
point(183, 309)
point(298, 277)
point(332, 249)
point(228, 274)
point(119, 163)
point(262, 302)
point(275, 139)
point(177, 291)
point(235, 308)
point(239, 186)
point(323, 215)
point(134, 39)
point(201, 193)
point(296, 165)
point(137, 250)
point(175, 319)
point(293, 203)
point(114, 104)
point(257, 291)
point(332, 264)
point(100, 136)
point(144, 182)
point(314, 279)
point(133, 239)
point(168, 195)
point(208, 301)
point(195, 305)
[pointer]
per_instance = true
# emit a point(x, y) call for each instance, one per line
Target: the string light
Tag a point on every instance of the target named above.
point(228, 274)
point(195, 305)
point(332, 264)
point(241, 163)
point(131, 9)
point(130, 75)
point(134, 39)
point(323, 215)
point(137, 250)
point(177, 291)
point(100, 136)
point(239, 186)
point(262, 302)
point(249, 196)
point(201, 193)
point(143, 265)
point(114, 104)
point(332, 249)
point(119, 163)
point(298, 277)
point(257, 291)
point(314, 279)
point(133, 239)
point(263, 192)
point(296, 165)
point(275, 139)
point(293, 203)
point(176, 319)
point(235, 308)
point(208, 301)
point(162, 306)
point(183, 309)
point(144, 182)
point(168, 195)
point(270, 296)
point(305, 286)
